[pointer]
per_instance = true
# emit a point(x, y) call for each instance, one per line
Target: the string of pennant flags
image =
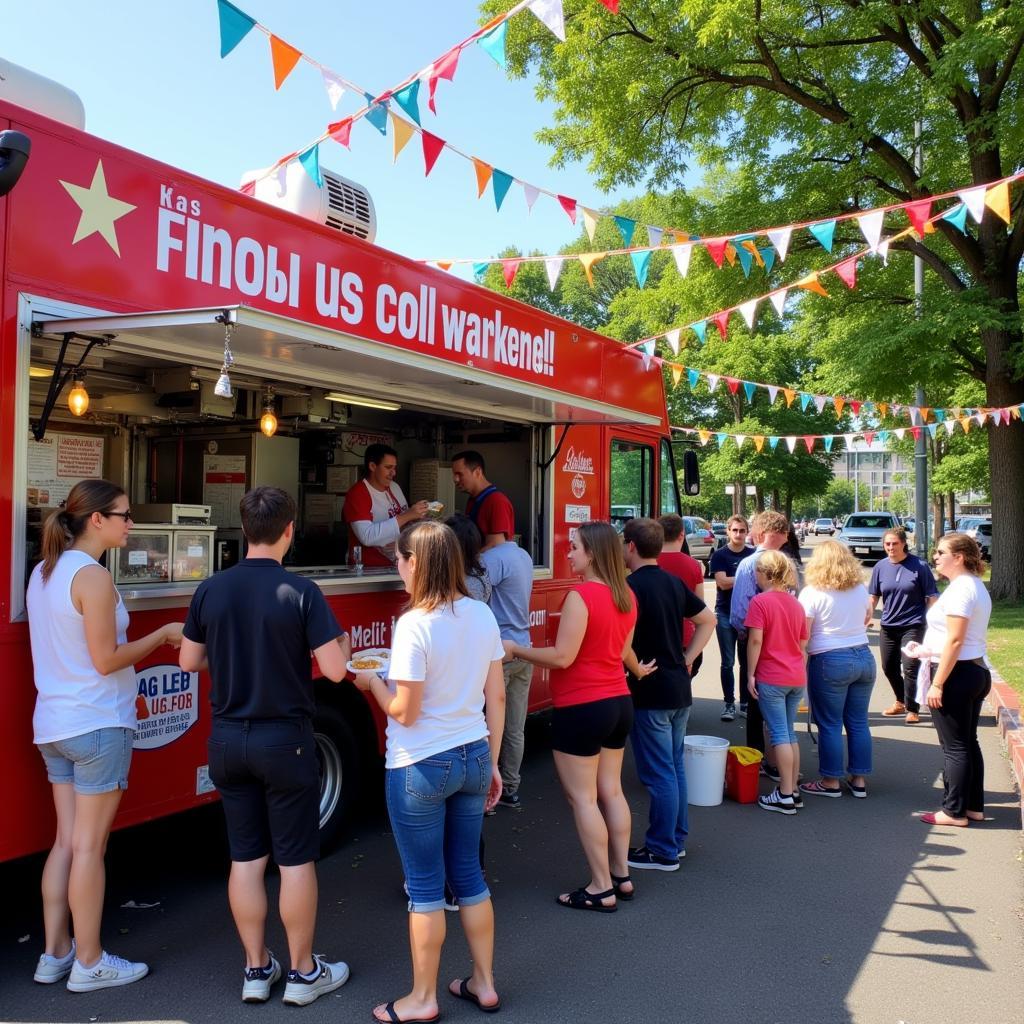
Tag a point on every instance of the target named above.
point(918, 415)
point(235, 25)
point(827, 441)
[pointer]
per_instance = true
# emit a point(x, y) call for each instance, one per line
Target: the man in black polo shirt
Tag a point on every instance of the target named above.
point(254, 626)
point(662, 700)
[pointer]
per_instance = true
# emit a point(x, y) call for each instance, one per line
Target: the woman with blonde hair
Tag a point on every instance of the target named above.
point(777, 675)
point(84, 723)
point(593, 711)
point(840, 669)
point(960, 678)
point(445, 703)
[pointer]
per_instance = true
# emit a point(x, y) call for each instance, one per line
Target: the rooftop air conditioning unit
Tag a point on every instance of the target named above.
point(338, 203)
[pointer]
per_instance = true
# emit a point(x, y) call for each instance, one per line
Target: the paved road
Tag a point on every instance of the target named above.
point(853, 911)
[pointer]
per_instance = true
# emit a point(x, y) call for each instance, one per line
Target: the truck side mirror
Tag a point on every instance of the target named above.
point(691, 473)
point(14, 151)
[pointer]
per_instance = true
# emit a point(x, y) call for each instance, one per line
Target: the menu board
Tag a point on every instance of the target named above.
point(58, 462)
point(223, 487)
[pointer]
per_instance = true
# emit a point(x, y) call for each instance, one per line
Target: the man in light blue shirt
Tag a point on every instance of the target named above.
point(510, 570)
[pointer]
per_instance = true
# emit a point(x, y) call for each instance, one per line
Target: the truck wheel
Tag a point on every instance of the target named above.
point(338, 755)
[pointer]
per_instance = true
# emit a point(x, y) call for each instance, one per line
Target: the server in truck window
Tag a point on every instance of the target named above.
point(376, 510)
point(487, 506)
point(253, 626)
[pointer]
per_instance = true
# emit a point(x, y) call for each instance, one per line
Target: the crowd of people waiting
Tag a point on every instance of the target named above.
point(455, 699)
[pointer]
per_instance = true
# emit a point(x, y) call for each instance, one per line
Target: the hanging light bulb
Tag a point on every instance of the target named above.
point(78, 397)
point(268, 421)
point(222, 389)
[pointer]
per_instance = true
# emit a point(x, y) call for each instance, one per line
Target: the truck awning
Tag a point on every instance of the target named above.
point(281, 349)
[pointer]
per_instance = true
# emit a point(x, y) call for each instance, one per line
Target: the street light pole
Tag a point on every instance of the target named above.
point(920, 445)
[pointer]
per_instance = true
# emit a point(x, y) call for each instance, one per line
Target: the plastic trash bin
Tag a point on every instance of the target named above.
point(705, 769)
point(742, 771)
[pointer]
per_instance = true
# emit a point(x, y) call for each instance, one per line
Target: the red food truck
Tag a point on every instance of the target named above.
point(125, 281)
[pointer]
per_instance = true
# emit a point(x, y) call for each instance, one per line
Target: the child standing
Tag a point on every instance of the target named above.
point(777, 672)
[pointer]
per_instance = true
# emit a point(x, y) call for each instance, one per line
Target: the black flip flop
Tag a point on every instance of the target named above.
point(389, 1009)
point(471, 997)
point(580, 899)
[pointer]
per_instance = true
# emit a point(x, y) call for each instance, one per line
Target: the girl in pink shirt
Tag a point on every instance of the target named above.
point(776, 666)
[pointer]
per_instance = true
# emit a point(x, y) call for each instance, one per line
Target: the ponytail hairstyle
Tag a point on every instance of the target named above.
point(64, 526)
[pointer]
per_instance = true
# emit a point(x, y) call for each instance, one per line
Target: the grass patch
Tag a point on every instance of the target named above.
point(1006, 642)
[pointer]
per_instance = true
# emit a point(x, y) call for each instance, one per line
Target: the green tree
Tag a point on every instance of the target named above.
point(839, 498)
point(818, 102)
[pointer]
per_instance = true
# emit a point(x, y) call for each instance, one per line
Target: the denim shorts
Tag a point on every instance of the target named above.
point(437, 810)
point(96, 762)
point(779, 705)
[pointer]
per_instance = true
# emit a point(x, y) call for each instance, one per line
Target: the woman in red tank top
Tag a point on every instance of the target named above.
point(593, 711)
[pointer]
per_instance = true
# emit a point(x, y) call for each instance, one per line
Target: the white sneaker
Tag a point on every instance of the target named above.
point(51, 969)
point(108, 972)
point(300, 990)
point(259, 981)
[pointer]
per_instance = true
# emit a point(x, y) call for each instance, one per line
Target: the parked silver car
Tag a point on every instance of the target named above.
point(862, 532)
point(983, 535)
point(700, 538)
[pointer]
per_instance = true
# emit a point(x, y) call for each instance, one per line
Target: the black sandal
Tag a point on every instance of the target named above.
point(580, 899)
point(618, 881)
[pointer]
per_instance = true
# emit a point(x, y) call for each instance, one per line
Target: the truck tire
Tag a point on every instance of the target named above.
point(338, 754)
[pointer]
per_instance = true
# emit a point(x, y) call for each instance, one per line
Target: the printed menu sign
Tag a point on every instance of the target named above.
point(58, 462)
point(223, 487)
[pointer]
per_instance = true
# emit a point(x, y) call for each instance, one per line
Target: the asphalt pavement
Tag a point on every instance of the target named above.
point(851, 911)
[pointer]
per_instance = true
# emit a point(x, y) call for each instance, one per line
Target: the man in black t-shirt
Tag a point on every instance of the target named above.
point(723, 568)
point(662, 700)
point(253, 626)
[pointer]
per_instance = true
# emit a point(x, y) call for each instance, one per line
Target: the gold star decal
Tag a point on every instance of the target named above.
point(99, 209)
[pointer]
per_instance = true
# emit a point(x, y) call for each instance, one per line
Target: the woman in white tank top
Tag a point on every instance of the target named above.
point(84, 723)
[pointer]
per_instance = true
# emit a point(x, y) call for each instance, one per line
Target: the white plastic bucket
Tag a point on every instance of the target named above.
point(705, 769)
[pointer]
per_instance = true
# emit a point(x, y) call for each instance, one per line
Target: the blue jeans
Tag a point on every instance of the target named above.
point(658, 750)
point(779, 706)
point(839, 687)
point(728, 640)
point(96, 762)
point(437, 811)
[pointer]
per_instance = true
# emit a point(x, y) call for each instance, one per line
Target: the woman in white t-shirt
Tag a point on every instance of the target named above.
point(960, 677)
point(840, 669)
point(445, 702)
point(84, 722)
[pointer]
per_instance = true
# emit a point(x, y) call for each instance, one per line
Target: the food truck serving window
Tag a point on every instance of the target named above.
point(632, 480)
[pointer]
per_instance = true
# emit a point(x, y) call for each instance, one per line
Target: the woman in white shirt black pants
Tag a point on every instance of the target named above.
point(961, 680)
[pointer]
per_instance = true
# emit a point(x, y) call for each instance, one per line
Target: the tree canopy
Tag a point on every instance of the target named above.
point(810, 109)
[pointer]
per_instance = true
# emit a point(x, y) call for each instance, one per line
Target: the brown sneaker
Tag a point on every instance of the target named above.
point(912, 718)
point(899, 708)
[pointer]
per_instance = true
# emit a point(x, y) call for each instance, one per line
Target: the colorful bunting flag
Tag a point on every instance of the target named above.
point(641, 264)
point(790, 395)
point(590, 219)
point(493, 43)
point(819, 403)
point(713, 379)
point(377, 114)
point(681, 254)
point(997, 199)
point(480, 272)
point(748, 390)
point(550, 13)
point(335, 90)
point(733, 384)
point(553, 267)
point(773, 393)
point(871, 227)
point(569, 205)
point(612, 5)
point(847, 272)
point(746, 260)
point(812, 284)
point(837, 404)
point(919, 214)
point(444, 68)
point(588, 259)
point(809, 441)
point(957, 216)
point(824, 231)
point(530, 193)
point(401, 132)
point(677, 373)
point(721, 322)
point(235, 25)
point(500, 183)
point(716, 250)
point(767, 259)
point(778, 299)
point(974, 200)
point(699, 328)
point(672, 337)
point(284, 58)
point(626, 228)
point(748, 311)
point(310, 161)
point(341, 131)
point(432, 147)
point(509, 269)
point(773, 442)
point(791, 444)
point(407, 99)
point(483, 175)
point(654, 235)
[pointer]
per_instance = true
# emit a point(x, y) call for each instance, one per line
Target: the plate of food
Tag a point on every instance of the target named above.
point(434, 509)
point(373, 660)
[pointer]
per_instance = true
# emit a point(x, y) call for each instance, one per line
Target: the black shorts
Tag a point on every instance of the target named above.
point(268, 777)
point(583, 729)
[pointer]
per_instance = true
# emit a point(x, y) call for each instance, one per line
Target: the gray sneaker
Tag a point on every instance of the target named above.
point(259, 981)
point(729, 713)
point(108, 972)
point(301, 991)
point(51, 969)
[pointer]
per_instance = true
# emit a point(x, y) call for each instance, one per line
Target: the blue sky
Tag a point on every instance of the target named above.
point(151, 78)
